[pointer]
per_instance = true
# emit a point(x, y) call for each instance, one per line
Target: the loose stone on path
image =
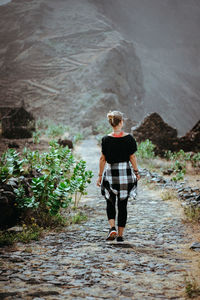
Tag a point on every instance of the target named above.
point(79, 264)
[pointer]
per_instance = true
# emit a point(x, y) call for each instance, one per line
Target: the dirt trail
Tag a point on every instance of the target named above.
point(79, 264)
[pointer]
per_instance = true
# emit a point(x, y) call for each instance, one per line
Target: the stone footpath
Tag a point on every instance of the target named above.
point(78, 263)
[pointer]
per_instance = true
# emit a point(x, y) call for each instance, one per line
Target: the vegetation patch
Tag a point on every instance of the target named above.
point(192, 213)
point(192, 290)
point(180, 160)
point(168, 194)
point(53, 130)
point(146, 150)
point(43, 184)
point(29, 233)
point(79, 218)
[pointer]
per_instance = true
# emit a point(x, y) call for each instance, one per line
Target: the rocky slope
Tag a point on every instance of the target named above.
point(66, 62)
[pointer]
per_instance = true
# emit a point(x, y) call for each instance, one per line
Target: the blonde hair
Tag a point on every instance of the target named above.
point(114, 117)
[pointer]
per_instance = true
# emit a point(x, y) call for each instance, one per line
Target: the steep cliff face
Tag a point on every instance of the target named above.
point(66, 62)
point(166, 39)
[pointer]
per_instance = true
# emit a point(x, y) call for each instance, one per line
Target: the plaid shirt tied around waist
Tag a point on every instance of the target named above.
point(119, 179)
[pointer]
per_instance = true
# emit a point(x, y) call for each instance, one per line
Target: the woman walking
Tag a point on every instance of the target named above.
point(118, 173)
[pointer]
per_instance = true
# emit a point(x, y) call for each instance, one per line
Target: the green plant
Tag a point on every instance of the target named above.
point(78, 218)
point(55, 177)
point(179, 169)
point(42, 124)
point(179, 176)
point(180, 155)
point(79, 180)
point(77, 137)
point(31, 159)
point(146, 150)
point(60, 179)
point(179, 160)
point(55, 130)
point(31, 232)
point(10, 165)
point(195, 159)
point(51, 129)
point(36, 136)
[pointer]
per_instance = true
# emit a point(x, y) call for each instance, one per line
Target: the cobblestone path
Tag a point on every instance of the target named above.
point(79, 264)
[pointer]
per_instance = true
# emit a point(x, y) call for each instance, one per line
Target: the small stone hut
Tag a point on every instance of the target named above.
point(18, 124)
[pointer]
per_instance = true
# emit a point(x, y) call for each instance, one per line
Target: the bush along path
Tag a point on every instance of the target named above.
point(77, 263)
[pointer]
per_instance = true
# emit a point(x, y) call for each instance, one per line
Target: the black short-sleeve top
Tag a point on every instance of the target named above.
point(118, 149)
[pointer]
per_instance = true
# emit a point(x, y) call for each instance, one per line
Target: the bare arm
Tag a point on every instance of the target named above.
point(133, 161)
point(102, 162)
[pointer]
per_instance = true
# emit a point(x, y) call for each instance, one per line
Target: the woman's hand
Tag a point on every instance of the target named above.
point(99, 181)
point(137, 176)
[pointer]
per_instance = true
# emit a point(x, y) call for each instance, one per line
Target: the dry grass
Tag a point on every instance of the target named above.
point(192, 214)
point(169, 194)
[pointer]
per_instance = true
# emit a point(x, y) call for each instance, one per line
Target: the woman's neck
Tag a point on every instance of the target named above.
point(117, 129)
point(117, 132)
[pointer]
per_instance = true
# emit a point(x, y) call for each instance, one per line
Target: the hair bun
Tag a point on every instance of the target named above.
point(114, 117)
point(110, 115)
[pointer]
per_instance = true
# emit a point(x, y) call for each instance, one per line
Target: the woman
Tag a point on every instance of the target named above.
point(118, 180)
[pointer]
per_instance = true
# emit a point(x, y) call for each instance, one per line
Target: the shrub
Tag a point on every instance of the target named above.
point(146, 149)
point(79, 218)
point(55, 177)
point(179, 160)
point(195, 159)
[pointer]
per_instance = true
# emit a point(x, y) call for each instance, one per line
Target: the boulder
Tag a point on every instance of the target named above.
point(17, 124)
point(65, 142)
point(8, 211)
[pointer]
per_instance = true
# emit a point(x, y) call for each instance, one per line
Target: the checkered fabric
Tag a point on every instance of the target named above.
point(119, 179)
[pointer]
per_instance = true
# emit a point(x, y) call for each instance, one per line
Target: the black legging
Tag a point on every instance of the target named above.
point(122, 210)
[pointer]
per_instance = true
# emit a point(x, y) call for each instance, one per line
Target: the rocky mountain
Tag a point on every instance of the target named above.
point(64, 60)
point(73, 60)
